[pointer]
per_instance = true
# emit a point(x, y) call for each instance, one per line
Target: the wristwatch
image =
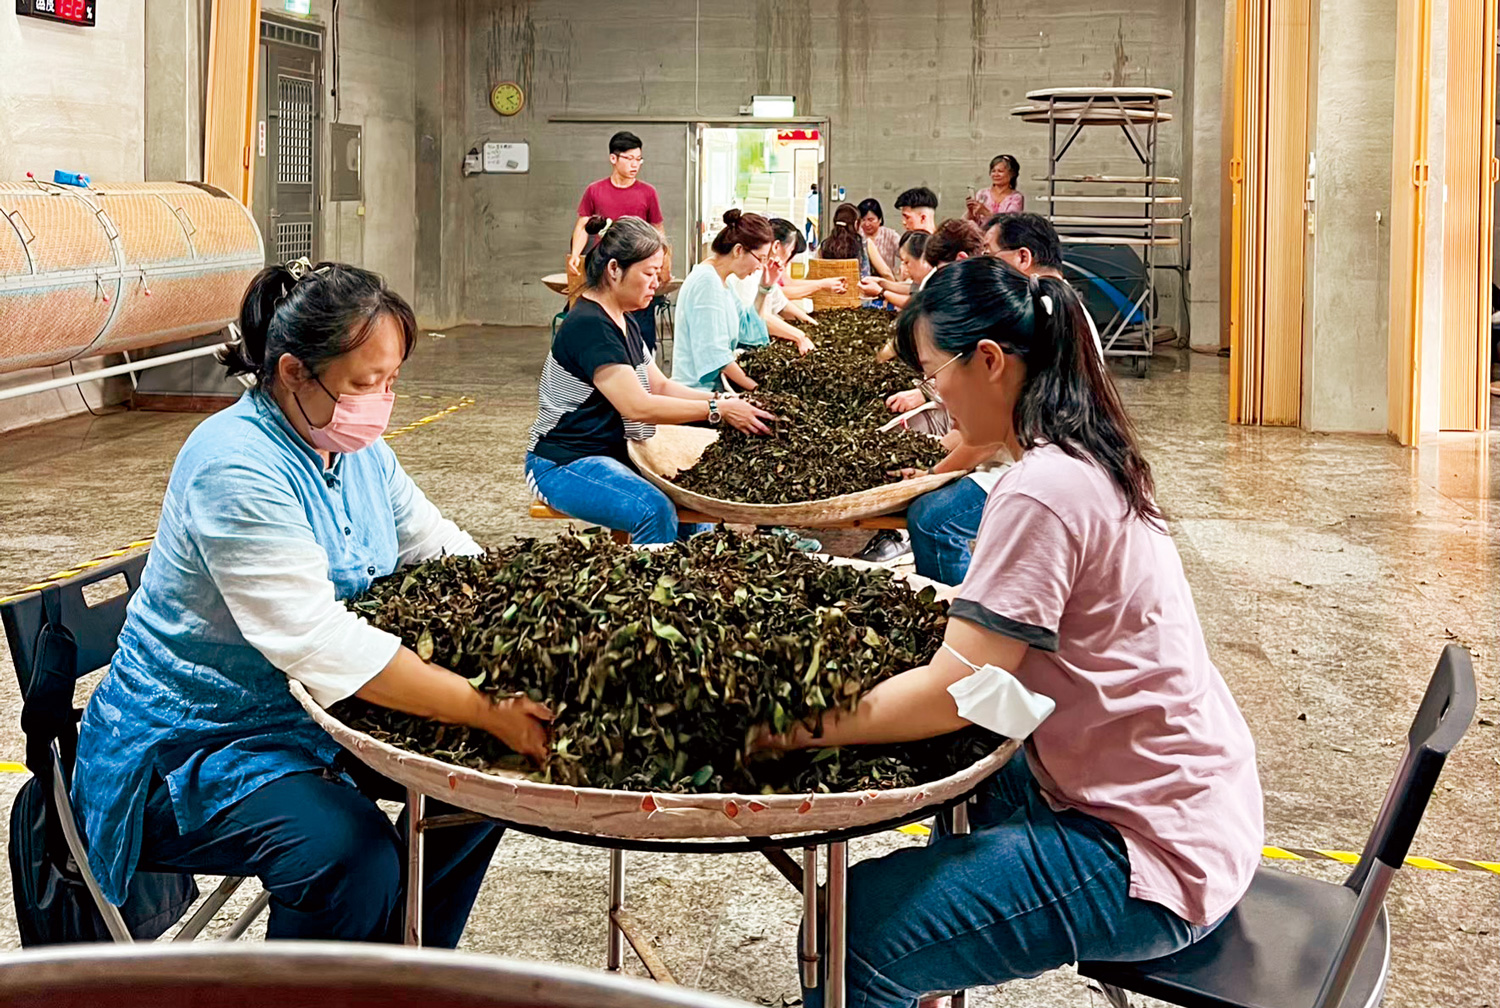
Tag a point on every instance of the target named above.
point(713, 410)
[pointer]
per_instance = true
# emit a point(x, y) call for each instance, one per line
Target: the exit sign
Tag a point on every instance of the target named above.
point(75, 12)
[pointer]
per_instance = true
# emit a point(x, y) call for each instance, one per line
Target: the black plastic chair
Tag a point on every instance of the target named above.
point(56, 637)
point(1296, 942)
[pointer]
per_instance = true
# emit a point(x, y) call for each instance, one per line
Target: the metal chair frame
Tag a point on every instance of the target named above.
point(1443, 717)
point(96, 632)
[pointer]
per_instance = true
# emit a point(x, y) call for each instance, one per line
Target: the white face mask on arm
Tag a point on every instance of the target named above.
point(993, 698)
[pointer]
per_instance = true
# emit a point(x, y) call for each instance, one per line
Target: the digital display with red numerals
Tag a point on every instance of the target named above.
point(79, 12)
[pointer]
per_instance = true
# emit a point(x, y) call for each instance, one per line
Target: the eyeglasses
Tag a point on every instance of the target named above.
point(927, 383)
point(758, 258)
point(630, 159)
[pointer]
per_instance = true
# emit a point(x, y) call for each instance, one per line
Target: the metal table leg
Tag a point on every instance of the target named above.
point(416, 810)
point(834, 989)
point(615, 953)
point(808, 954)
point(958, 823)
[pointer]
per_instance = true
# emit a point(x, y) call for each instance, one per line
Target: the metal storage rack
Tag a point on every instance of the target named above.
point(1140, 223)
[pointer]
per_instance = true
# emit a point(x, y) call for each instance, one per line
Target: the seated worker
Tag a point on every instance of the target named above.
point(1132, 845)
point(918, 209)
point(872, 226)
point(773, 301)
point(1000, 195)
point(955, 240)
point(712, 322)
point(600, 387)
point(846, 241)
point(192, 754)
point(1029, 242)
point(940, 525)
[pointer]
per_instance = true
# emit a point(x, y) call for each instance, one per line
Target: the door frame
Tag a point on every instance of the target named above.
point(1265, 271)
point(694, 180)
point(294, 35)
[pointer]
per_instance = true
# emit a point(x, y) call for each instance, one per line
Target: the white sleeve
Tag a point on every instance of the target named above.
point(422, 532)
point(258, 548)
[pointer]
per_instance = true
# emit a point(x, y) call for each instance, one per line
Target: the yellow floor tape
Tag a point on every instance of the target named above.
point(1314, 854)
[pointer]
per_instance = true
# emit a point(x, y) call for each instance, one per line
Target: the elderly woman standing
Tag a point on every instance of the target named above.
point(1000, 196)
point(192, 754)
point(1132, 823)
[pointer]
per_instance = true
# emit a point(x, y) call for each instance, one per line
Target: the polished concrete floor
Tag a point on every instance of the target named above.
point(1329, 571)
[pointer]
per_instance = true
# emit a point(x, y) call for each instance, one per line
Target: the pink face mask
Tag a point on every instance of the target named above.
point(357, 422)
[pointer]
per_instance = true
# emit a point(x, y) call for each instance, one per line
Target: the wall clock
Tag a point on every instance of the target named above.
point(507, 98)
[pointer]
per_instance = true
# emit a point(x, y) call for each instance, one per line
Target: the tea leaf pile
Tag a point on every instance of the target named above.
point(830, 404)
point(659, 664)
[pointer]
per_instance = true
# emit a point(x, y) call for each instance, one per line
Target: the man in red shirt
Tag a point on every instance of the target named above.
point(621, 194)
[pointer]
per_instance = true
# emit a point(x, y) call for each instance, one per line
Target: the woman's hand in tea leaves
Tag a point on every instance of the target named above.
point(523, 724)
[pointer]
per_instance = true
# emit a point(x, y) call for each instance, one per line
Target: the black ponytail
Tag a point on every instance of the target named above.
point(1068, 399)
point(323, 315)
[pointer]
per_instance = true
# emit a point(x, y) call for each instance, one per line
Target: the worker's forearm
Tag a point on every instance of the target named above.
point(412, 686)
point(579, 237)
point(904, 708)
point(780, 329)
point(677, 390)
point(965, 457)
point(669, 409)
point(736, 374)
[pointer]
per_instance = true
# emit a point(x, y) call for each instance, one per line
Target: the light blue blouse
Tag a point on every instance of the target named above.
point(256, 548)
point(711, 323)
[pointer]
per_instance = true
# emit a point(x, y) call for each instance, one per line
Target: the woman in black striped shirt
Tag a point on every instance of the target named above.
point(601, 387)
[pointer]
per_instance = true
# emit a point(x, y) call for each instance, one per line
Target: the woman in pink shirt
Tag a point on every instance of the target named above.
point(1131, 824)
point(1001, 196)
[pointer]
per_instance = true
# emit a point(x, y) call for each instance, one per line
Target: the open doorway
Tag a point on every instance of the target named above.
point(762, 167)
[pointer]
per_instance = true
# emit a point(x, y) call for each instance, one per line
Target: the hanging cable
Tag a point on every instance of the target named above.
point(335, 90)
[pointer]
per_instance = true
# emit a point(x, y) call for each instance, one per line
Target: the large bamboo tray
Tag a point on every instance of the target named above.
point(674, 449)
point(640, 815)
point(822, 269)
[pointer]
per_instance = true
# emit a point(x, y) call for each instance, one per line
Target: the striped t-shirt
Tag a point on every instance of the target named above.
point(573, 419)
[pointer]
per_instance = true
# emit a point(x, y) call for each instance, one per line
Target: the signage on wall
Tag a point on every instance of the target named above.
point(74, 12)
point(303, 7)
point(507, 158)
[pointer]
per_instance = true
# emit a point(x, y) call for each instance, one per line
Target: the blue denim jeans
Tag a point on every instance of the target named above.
point(941, 525)
point(1027, 891)
point(605, 491)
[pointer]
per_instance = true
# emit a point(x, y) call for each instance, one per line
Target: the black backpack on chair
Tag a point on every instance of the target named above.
point(55, 638)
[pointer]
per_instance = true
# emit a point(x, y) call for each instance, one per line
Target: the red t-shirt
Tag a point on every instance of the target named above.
point(606, 199)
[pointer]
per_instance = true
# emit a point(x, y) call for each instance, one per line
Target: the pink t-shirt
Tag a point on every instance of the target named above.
point(606, 199)
point(1146, 735)
point(1013, 203)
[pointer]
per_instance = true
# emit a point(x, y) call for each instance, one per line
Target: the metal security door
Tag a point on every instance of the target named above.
point(293, 141)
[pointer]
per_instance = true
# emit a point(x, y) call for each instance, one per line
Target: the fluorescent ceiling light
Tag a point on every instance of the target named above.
point(773, 106)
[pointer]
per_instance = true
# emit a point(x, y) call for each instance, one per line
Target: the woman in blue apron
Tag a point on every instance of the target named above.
point(193, 756)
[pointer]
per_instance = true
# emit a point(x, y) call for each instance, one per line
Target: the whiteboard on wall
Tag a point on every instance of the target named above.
point(506, 158)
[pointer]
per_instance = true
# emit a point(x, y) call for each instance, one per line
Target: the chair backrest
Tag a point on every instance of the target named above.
point(1446, 711)
point(95, 629)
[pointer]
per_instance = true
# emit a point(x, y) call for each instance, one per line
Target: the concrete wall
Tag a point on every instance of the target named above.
point(913, 99)
point(377, 80)
point(70, 98)
point(1345, 347)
